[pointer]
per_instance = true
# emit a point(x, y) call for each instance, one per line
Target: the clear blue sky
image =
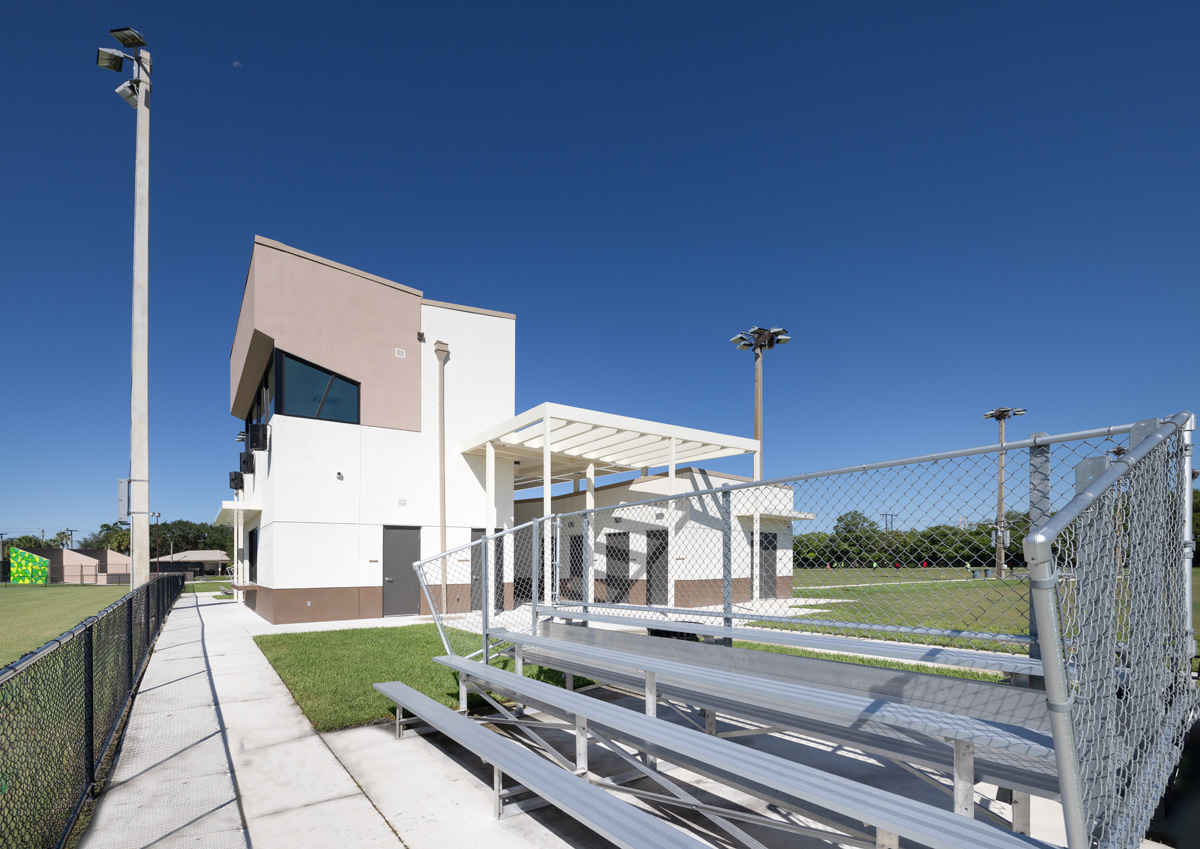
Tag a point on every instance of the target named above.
point(951, 206)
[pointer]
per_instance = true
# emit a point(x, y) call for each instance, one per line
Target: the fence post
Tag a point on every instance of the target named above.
point(145, 626)
point(727, 557)
point(536, 567)
point(485, 597)
point(589, 580)
point(556, 567)
point(1039, 511)
point(129, 641)
point(1189, 540)
point(89, 716)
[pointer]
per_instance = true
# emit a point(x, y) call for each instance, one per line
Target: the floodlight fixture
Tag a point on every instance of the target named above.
point(114, 60)
point(128, 92)
point(1002, 413)
point(128, 37)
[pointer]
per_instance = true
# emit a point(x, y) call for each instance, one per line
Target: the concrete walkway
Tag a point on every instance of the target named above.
point(218, 754)
point(212, 721)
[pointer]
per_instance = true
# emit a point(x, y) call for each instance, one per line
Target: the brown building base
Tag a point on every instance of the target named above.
point(318, 604)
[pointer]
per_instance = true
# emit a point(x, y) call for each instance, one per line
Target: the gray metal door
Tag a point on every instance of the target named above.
point(768, 552)
point(616, 583)
point(401, 587)
point(657, 543)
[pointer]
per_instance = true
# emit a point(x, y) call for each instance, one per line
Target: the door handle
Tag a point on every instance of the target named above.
point(389, 580)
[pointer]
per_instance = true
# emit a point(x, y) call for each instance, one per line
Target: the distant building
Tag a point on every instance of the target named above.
point(85, 565)
point(191, 563)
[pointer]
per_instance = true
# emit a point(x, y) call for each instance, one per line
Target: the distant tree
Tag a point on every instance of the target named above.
point(109, 536)
point(854, 522)
point(24, 543)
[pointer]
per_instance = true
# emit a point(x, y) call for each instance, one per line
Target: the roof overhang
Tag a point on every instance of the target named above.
point(230, 509)
point(579, 438)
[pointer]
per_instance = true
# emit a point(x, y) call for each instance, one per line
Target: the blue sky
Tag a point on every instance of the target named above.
point(951, 206)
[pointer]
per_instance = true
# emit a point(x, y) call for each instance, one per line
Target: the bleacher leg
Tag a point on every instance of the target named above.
point(581, 745)
point(710, 722)
point(651, 709)
point(1020, 812)
point(964, 778)
point(519, 657)
point(570, 680)
point(497, 789)
point(886, 839)
point(462, 694)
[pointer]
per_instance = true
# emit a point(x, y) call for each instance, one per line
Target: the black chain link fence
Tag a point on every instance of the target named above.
point(60, 708)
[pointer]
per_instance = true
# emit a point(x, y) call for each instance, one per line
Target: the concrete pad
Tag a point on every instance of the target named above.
point(248, 686)
point(263, 723)
point(290, 775)
point(348, 821)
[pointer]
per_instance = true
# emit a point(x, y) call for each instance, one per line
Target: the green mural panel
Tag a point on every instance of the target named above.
point(26, 568)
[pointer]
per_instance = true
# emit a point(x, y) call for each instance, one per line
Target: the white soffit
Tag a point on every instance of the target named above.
point(613, 443)
point(229, 509)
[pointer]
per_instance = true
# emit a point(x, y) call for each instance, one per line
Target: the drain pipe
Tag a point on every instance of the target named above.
point(442, 351)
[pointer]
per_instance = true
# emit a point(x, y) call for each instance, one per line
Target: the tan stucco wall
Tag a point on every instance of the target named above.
point(340, 318)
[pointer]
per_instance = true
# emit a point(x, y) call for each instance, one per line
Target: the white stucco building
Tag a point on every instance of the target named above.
point(379, 429)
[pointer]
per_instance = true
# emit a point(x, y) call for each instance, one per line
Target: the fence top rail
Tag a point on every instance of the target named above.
point(1032, 442)
point(65, 637)
point(1041, 537)
point(419, 563)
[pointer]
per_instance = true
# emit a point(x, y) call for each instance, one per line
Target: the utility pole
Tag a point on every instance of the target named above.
point(1000, 414)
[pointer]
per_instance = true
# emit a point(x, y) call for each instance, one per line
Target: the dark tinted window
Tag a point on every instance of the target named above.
point(313, 392)
point(341, 401)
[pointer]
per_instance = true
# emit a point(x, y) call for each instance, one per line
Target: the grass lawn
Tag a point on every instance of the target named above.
point(981, 605)
point(330, 673)
point(207, 586)
point(33, 615)
point(805, 579)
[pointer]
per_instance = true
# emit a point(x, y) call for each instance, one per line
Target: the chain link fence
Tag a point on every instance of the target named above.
point(930, 550)
point(60, 711)
point(1116, 565)
point(488, 585)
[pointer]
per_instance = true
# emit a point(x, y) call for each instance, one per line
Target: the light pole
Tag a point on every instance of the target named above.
point(1000, 414)
point(757, 339)
point(136, 93)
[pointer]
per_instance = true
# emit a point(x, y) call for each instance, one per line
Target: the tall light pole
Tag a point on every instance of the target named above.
point(1000, 414)
point(758, 339)
point(136, 93)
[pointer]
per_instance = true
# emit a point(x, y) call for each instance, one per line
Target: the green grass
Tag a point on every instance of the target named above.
point(806, 579)
point(982, 605)
point(34, 615)
point(207, 586)
point(330, 673)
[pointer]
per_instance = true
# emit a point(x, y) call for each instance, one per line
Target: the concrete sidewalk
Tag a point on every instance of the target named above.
point(218, 754)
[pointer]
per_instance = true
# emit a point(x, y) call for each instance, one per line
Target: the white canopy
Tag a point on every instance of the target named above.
point(554, 443)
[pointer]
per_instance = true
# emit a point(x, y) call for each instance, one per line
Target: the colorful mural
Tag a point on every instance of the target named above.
point(26, 568)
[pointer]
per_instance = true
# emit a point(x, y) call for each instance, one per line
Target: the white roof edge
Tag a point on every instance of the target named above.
point(425, 302)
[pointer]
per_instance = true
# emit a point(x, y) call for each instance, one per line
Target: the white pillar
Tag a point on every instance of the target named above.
point(672, 514)
point(590, 497)
point(489, 512)
point(758, 464)
point(546, 507)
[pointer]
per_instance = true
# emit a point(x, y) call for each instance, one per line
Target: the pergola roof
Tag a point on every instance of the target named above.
point(613, 443)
